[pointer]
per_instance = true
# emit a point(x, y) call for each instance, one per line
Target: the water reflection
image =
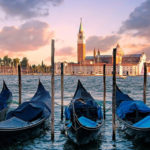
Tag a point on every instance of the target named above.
point(69, 145)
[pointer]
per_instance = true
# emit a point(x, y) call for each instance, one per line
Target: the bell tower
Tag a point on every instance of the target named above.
point(119, 54)
point(81, 44)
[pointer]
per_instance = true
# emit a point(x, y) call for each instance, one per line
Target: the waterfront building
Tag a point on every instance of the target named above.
point(132, 64)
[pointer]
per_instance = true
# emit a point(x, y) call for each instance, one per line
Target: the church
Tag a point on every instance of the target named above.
point(93, 65)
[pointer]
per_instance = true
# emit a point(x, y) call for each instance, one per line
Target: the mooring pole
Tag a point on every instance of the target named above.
point(114, 96)
point(19, 83)
point(104, 89)
point(52, 88)
point(62, 90)
point(145, 82)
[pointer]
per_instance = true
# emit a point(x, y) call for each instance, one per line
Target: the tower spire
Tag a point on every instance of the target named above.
point(81, 44)
point(81, 26)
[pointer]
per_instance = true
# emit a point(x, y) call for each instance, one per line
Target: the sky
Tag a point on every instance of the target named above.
point(27, 27)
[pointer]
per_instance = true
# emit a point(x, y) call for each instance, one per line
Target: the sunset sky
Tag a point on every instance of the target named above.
point(27, 27)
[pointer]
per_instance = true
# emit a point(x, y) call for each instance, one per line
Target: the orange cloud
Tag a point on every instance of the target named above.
point(64, 54)
point(29, 36)
point(65, 51)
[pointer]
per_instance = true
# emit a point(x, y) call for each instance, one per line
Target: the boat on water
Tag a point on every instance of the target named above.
point(133, 117)
point(84, 119)
point(5, 101)
point(28, 120)
point(122, 76)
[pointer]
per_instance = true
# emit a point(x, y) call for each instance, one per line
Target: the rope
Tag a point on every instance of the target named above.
point(76, 120)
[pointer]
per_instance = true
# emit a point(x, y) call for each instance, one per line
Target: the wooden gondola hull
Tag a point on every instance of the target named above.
point(83, 135)
point(136, 134)
point(9, 137)
point(83, 117)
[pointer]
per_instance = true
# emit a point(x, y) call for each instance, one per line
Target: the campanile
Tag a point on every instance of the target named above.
point(81, 45)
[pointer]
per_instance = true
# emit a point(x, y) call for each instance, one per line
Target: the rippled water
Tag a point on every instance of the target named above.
point(131, 85)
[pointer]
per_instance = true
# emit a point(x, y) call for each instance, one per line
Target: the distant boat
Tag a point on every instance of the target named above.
point(133, 116)
point(122, 76)
point(28, 120)
point(84, 117)
point(5, 101)
point(98, 74)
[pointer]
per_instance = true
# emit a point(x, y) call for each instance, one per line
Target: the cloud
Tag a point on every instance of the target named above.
point(64, 54)
point(146, 50)
point(103, 43)
point(26, 9)
point(138, 23)
point(65, 51)
point(29, 36)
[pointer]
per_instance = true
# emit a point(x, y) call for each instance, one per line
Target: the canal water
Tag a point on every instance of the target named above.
point(94, 84)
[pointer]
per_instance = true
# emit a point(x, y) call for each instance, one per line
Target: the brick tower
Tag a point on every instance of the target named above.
point(81, 45)
point(119, 54)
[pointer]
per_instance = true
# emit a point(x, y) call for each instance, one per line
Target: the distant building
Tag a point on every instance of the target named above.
point(93, 65)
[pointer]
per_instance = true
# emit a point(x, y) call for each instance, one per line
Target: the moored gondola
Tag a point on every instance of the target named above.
point(28, 120)
point(133, 117)
point(5, 101)
point(84, 119)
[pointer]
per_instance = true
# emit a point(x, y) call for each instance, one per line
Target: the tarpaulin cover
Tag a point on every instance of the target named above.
point(127, 107)
point(67, 113)
point(144, 123)
point(13, 123)
point(5, 97)
point(84, 103)
point(87, 122)
point(82, 98)
point(38, 107)
point(120, 96)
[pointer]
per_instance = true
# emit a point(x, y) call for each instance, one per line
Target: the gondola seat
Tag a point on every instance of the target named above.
point(144, 123)
point(87, 122)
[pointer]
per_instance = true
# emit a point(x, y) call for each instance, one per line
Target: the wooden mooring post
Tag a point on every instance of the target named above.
point(145, 82)
point(62, 90)
point(19, 83)
point(114, 96)
point(104, 90)
point(52, 88)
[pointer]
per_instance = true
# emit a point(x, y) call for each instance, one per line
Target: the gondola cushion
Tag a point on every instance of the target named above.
point(144, 123)
point(87, 122)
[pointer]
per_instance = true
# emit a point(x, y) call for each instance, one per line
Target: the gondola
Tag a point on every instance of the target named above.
point(5, 101)
point(84, 119)
point(133, 117)
point(28, 120)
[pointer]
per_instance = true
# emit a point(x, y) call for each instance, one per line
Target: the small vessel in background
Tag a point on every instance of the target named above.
point(28, 120)
point(84, 118)
point(5, 101)
point(122, 76)
point(133, 116)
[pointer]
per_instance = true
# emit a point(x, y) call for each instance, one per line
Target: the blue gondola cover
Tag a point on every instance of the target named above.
point(127, 107)
point(38, 107)
point(67, 113)
point(99, 113)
